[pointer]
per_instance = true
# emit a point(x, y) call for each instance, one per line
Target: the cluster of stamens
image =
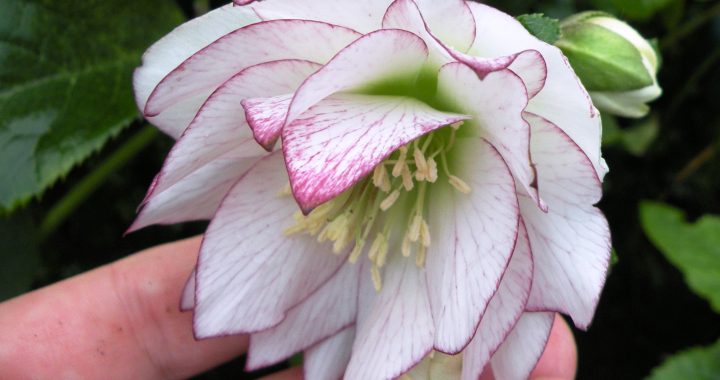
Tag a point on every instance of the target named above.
point(366, 212)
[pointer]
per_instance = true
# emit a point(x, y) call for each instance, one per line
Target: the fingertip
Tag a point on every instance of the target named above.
point(559, 360)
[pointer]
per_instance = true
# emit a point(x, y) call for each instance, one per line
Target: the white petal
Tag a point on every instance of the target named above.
point(220, 125)
point(187, 299)
point(496, 102)
point(503, 311)
point(563, 100)
point(328, 359)
point(449, 20)
point(364, 16)
point(249, 273)
point(341, 139)
point(330, 309)
point(266, 41)
point(473, 236)
point(166, 54)
point(197, 196)
point(397, 331)
point(571, 242)
point(520, 352)
point(394, 55)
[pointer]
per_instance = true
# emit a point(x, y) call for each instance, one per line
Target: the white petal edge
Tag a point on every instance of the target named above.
point(390, 54)
point(262, 42)
point(187, 299)
point(521, 350)
point(170, 51)
point(503, 311)
point(328, 359)
point(473, 237)
point(571, 242)
point(248, 273)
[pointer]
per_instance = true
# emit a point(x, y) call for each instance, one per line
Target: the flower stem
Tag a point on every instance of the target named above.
point(91, 182)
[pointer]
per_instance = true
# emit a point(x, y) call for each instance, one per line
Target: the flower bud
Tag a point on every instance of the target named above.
point(615, 63)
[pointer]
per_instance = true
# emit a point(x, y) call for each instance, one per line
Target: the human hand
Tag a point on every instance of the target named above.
point(122, 321)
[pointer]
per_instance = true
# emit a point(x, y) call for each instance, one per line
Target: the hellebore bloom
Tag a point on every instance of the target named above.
point(615, 62)
point(432, 191)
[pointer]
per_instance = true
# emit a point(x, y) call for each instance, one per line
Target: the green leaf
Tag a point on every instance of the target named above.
point(603, 60)
point(544, 28)
point(638, 138)
point(66, 83)
point(699, 363)
point(694, 248)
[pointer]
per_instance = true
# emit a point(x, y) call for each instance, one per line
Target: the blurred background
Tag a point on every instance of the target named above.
point(76, 160)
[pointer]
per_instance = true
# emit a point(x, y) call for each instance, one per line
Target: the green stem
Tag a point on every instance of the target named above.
point(80, 192)
point(689, 27)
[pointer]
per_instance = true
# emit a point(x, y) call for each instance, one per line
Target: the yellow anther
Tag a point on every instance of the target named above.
point(377, 246)
point(459, 184)
point(357, 251)
point(376, 278)
point(432, 173)
point(380, 178)
point(414, 232)
point(390, 200)
point(401, 162)
point(405, 248)
point(457, 125)
point(424, 234)
point(285, 191)
point(420, 257)
point(407, 178)
point(420, 162)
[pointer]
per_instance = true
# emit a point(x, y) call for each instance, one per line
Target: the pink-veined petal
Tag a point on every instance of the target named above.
point(249, 273)
point(330, 309)
point(341, 139)
point(396, 55)
point(327, 360)
point(397, 332)
point(364, 16)
point(197, 196)
point(473, 236)
point(501, 34)
point(266, 117)
point(187, 299)
point(220, 125)
point(503, 311)
point(521, 350)
point(571, 242)
point(497, 103)
point(170, 51)
point(262, 42)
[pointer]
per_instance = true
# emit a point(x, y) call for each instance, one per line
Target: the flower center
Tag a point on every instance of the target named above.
point(388, 208)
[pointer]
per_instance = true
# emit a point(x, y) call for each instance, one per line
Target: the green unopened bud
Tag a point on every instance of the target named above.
point(614, 62)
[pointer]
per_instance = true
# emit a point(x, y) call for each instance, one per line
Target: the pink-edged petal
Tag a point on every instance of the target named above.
point(197, 196)
point(496, 102)
point(503, 311)
point(473, 236)
point(571, 242)
point(449, 20)
point(249, 273)
point(262, 42)
point(220, 125)
point(521, 350)
point(500, 35)
point(405, 15)
point(330, 309)
point(341, 139)
point(187, 299)
point(327, 360)
point(170, 51)
point(397, 330)
point(395, 55)
point(266, 117)
point(364, 16)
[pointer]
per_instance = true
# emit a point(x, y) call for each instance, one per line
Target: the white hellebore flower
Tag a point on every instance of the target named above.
point(445, 164)
point(618, 65)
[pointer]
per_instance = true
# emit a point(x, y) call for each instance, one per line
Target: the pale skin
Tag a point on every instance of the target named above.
point(122, 321)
